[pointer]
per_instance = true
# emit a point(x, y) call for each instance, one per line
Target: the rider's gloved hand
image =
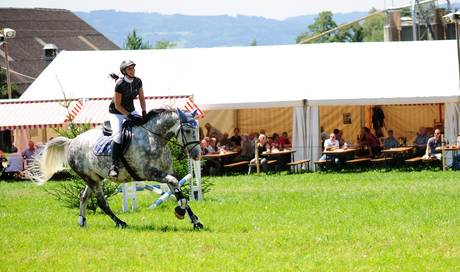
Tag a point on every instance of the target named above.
point(136, 119)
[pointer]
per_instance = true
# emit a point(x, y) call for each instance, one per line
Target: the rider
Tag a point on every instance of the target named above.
point(127, 88)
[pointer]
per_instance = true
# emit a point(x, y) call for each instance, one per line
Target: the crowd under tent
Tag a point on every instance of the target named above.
point(296, 88)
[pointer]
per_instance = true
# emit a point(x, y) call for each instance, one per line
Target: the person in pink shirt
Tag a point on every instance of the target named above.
point(371, 141)
point(283, 141)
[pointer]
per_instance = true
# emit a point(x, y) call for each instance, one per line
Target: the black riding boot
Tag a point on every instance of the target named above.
point(116, 154)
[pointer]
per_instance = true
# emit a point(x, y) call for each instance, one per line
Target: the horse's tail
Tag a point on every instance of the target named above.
point(50, 160)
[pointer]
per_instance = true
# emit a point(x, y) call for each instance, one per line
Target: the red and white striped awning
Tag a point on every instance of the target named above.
point(15, 114)
point(18, 114)
point(96, 110)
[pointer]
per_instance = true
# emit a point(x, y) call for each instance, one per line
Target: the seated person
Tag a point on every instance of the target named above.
point(29, 153)
point(225, 142)
point(212, 146)
point(211, 166)
point(432, 144)
point(284, 141)
point(329, 144)
point(15, 165)
point(261, 147)
point(247, 149)
point(371, 142)
point(235, 140)
point(323, 136)
point(390, 141)
point(2, 159)
point(420, 142)
point(204, 146)
point(339, 136)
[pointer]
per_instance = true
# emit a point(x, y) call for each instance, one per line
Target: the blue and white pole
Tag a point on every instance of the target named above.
point(165, 195)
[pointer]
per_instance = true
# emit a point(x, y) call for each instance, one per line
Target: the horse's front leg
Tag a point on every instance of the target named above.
point(183, 206)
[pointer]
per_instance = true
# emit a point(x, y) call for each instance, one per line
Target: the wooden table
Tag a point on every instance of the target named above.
point(219, 159)
point(220, 155)
point(278, 154)
point(449, 148)
point(397, 153)
point(396, 150)
point(339, 153)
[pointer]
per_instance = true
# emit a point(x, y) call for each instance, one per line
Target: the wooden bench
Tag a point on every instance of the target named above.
point(379, 160)
point(417, 160)
point(235, 165)
point(296, 166)
point(270, 162)
point(413, 160)
point(322, 165)
point(357, 162)
point(382, 161)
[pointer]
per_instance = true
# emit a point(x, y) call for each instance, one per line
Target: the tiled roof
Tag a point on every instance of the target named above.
point(34, 28)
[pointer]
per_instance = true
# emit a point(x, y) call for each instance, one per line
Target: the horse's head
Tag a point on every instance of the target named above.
point(188, 135)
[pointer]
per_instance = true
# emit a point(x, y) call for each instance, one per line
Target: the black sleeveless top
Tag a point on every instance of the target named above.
point(129, 91)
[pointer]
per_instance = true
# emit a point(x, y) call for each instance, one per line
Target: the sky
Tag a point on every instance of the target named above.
point(275, 9)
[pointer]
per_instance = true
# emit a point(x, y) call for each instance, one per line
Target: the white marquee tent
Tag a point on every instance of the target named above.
point(300, 76)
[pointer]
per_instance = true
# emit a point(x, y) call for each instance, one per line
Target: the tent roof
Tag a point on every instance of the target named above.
point(267, 76)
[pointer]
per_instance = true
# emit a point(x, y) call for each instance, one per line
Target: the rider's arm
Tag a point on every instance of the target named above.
point(118, 105)
point(142, 98)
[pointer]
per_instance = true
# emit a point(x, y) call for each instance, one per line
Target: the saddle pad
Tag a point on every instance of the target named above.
point(103, 146)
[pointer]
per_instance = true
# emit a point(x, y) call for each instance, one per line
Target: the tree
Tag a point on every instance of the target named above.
point(135, 42)
point(254, 42)
point(4, 87)
point(323, 23)
point(373, 27)
point(164, 44)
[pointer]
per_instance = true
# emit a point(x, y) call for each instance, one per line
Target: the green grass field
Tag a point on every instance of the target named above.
point(371, 221)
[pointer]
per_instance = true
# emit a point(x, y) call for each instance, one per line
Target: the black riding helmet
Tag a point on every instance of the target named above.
point(124, 64)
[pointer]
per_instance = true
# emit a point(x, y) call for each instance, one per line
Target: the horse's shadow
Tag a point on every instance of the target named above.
point(164, 228)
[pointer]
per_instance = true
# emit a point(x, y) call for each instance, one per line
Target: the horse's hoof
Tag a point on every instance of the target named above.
point(82, 221)
point(198, 226)
point(179, 212)
point(121, 225)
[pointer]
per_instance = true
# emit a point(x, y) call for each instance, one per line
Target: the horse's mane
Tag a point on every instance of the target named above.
point(156, 112)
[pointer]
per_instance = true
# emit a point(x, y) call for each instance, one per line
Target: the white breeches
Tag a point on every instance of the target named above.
point(116, 120)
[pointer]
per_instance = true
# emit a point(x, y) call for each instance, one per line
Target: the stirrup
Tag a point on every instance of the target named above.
point(113, 172)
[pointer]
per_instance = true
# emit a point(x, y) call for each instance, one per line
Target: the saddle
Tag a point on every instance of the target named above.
point(103, 146)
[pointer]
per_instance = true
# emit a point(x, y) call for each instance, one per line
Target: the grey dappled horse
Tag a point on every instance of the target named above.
point(148, 156)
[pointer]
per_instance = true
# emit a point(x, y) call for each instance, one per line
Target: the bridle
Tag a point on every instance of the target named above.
point(180, 130)
point(184, 140)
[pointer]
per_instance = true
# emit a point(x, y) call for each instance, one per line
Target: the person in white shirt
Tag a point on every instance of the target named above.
point(330, 144)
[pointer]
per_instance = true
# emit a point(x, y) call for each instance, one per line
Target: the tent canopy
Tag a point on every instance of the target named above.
point(267, 76)
point(17, 114)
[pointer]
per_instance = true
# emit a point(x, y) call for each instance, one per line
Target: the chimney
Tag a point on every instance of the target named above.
point(51, 51)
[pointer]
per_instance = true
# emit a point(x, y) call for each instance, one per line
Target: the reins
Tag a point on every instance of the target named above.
point(181, 129)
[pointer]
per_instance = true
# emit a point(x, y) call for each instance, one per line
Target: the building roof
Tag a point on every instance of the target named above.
point(37, 27)
point(269, 76)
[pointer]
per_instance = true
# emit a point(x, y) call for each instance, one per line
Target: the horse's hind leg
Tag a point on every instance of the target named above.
point(104, 205)
point(84, 196)
point(183, 206)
